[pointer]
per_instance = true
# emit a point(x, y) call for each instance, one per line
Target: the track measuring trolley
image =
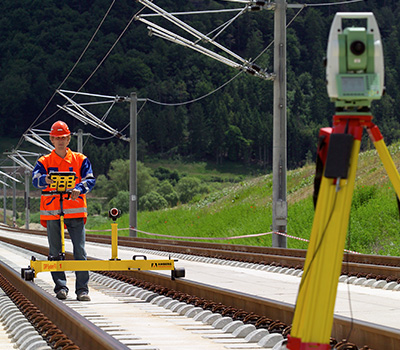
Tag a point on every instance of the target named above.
point(63, 183)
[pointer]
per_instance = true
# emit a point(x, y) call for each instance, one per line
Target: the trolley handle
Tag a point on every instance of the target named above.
point(137, 256)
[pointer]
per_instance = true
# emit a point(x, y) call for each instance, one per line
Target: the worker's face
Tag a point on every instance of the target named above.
point(60, 143)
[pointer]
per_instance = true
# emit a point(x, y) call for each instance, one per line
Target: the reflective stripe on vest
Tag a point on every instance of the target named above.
point(66, 211)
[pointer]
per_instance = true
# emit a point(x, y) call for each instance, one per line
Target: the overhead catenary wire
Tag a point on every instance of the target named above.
point(9, 176)
point(287, 26)
point(333, 3)
point(102, 138)
point(257, 57)
point(84, 113)
point(86, 94)
point(138, 112)
point(227, 23)
point(112, 47)
point(198, 98)
point(223, 26)
point(34, 138)
point(117, 40)
point(38, 143)
point(4, 183)
point(238, 1)
point(165, 34)
point(20, 160)
point(91, 75)
point(97, 123)
point(87, 117)
point(161, 32)
point(227, 82)
point(110, 50)
point(188, 28)
point(192, 12)
point(71, 70)
point(306, 4)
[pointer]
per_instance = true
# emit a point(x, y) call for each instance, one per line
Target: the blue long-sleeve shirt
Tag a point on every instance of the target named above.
point(73, 161)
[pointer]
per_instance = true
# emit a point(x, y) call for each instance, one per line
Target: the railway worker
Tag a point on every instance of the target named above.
point(75, 209)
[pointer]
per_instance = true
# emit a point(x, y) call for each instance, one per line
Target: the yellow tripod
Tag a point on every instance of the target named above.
point(338, 150)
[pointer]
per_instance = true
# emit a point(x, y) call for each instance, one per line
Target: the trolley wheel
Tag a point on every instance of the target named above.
point(23, 269)
point(177, 272)
point(27, 274)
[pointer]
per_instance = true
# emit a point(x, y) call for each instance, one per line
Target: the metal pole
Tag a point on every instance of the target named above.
point(5, 201)
point(14, 203)
point(80, 140)
point(133, 163)
point(279, 166)
point(27, 199)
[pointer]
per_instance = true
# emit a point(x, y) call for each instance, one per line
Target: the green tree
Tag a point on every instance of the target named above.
point(121, 201)
point(237, 146)
point(188, 187)
point(167, 191)
point(152, 201)
point(162, 173)
point(117, 180)
point(39, 44)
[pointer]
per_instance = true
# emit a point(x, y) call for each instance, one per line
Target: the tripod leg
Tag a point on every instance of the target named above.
point(313, 318)
point(385, 157)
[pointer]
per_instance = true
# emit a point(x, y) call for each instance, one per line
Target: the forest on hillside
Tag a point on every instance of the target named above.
point(41, 40)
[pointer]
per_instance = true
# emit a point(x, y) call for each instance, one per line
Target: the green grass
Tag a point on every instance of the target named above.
point(245, 208)
point(220, 214)
point(374, 225)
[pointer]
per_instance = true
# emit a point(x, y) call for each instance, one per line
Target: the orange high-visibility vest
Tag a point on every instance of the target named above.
point(50, 204)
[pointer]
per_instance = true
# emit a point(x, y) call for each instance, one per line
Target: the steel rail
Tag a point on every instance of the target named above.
point(382, 267)
point(362, 333)
point(357, 258)
point(353, 264)
point(81, 331)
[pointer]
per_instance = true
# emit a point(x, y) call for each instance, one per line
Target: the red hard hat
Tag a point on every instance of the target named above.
point(59, 129)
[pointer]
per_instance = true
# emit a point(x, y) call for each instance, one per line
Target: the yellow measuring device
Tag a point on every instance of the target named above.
point(63, 183)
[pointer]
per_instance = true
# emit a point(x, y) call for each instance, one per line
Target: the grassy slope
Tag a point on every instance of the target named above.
point(245, 208)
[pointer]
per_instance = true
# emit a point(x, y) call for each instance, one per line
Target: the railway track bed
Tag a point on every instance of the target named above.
point(272, 294)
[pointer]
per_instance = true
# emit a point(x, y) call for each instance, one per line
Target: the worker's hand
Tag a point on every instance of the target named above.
point(48, 180)
point(75, 194)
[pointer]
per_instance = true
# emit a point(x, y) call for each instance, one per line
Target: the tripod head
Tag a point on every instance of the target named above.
point(355, 68)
